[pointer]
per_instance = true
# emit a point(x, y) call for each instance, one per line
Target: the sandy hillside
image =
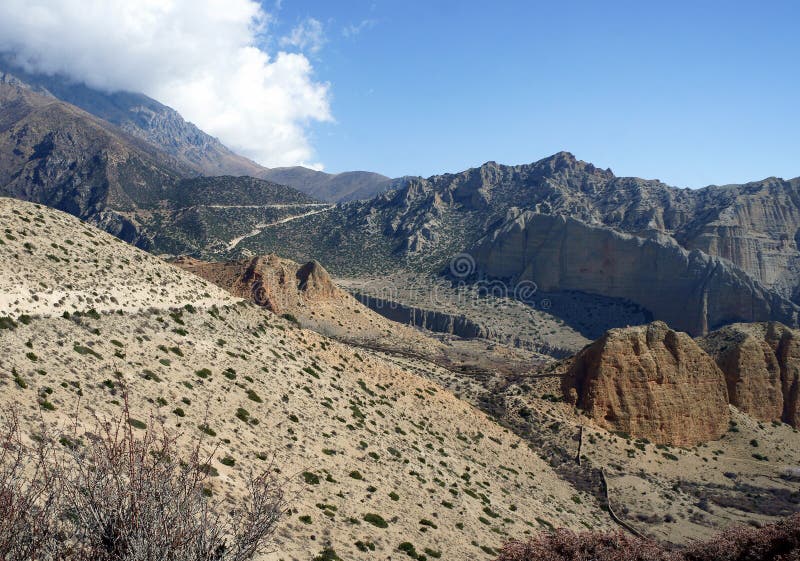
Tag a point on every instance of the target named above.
point(358, 436)
point(54, 263)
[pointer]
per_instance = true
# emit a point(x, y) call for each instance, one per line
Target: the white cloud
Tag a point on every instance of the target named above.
point(307, 36)
point(354, 29)
point(201, 57)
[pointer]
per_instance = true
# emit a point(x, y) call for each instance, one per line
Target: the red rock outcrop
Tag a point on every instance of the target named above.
point(650, 382)
point(279, 285)
point(761, 363)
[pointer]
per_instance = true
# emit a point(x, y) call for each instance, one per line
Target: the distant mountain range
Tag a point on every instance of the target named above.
point(340, 187)
point(165, 129)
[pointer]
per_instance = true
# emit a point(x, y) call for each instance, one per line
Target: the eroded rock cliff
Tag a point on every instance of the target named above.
point(761, 363)
point(690, 290)
point(650, 382)
point(280, 285)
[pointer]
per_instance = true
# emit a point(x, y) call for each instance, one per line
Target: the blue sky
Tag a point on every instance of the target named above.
point(692, 93)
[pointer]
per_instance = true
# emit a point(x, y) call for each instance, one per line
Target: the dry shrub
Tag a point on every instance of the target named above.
point(774, 542)
point(29, 493)
point(566, 545)
point(117, 496)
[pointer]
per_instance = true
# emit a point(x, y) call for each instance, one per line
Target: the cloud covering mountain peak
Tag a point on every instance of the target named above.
point(205, 58)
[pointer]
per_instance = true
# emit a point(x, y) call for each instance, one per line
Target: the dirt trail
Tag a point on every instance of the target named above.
point(260, 227)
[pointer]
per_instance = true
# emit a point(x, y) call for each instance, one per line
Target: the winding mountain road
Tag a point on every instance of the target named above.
point(261, 227)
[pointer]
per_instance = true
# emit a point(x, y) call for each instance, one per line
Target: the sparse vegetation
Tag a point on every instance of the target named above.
point(376, 434)
point(252, 395)
point(310, 478)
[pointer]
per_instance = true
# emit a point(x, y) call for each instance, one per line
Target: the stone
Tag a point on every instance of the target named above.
point(761, 363)
point(650, 382)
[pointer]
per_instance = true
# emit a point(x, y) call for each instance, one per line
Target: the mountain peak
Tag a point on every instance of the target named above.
point(563, 160)
point(559, 158)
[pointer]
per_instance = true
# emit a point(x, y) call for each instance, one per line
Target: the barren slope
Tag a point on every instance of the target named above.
point(358, 435)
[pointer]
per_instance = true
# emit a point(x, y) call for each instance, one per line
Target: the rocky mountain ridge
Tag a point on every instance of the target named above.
point(742, 232)
point(562, 184)
point(716, 220)
point(141, 117)
point(333, 187)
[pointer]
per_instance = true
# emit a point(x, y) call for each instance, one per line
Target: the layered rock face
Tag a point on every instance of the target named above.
point(761, 363)
point(650, 382)
point(757, 230)
point(689, 290)
point(451, 324)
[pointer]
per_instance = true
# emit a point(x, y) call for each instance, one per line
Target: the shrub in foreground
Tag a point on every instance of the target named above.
point(774, 542)
point(113, 495)
point(565, 545)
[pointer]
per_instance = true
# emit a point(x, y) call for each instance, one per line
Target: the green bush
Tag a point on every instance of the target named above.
point(376, 520)
point(327, 554)
point(408, 549)
point(81, 350)
point(207, 430)
point(290, 318)
point(365, 546)
point(310, 478)
point(137, 424)
point(46, 405)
